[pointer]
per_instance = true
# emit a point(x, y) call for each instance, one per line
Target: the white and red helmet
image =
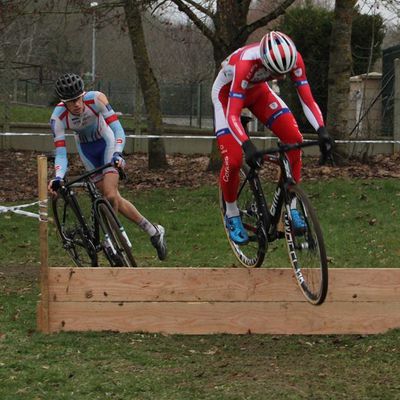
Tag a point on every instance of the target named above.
point(278, 52)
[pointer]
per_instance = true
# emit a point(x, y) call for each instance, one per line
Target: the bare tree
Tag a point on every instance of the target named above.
point(121, 12)
point(172, 41)
point(148, 83)
point(340, 69)
point(225, 22)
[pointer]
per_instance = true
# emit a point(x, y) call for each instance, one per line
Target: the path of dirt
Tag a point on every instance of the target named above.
point(19, 172)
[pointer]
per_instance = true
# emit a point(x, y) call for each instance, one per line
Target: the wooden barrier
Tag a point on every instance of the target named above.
point(207, 301)
point(222, 300)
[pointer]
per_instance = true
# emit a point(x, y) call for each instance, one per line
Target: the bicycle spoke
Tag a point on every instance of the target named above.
point(115, 244)
point(306, 248)
point(251, 211)
point(75, 241)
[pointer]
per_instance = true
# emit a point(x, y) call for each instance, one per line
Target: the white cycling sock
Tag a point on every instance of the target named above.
point(147, 227)
point(231, 209)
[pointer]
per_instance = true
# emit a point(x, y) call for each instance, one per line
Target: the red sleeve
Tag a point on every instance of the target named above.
point(237, 94)
point(310, 107)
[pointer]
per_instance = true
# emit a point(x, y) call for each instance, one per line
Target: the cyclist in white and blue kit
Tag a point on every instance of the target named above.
point(100, 138)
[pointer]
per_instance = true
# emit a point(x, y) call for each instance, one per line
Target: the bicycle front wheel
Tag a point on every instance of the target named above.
point(73, 232)
point(252, 208)
point(115, 243)
point(306, 247)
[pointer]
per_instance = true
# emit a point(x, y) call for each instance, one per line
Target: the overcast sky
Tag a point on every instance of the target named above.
point(390, 14)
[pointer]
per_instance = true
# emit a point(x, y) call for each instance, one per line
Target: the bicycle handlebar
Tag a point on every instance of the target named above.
point(94, 171)
point(283, 148)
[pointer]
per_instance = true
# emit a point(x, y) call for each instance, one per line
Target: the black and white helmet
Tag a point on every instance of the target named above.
point(69, 87)
point(278, 52)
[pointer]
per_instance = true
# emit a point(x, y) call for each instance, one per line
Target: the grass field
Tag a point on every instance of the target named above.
point(359, 219)
point(360, 222)
point(32, 114)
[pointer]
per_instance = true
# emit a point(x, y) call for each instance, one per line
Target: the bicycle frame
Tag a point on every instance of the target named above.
point(277, 156)
point(92, 231)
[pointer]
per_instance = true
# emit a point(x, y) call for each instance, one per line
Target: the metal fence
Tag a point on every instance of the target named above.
point(188, 104)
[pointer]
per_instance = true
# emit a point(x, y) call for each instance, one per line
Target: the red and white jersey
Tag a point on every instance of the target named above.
point(242, 70)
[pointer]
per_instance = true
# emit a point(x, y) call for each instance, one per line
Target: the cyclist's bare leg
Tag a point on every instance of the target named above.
point(109, 187)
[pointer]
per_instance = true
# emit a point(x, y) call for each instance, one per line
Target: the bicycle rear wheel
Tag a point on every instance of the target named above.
point(115, 244)
point(306, 248)
point(252, 208)
point(74, 236)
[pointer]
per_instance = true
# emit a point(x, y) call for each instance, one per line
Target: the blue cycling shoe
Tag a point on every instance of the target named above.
point(237, 233)
point(298, 222)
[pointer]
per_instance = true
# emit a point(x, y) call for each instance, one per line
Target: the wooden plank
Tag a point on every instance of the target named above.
point(172, 284)
point(364, 284)
point(219, 284)
point(226, 317)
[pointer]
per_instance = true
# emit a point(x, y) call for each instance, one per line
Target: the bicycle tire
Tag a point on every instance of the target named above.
point(253, 212)
point(306, 249)
point(111, 228)
point(70, 229)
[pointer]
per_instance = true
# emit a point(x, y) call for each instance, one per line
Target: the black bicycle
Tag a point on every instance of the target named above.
point(84, 234)
point(265, 224)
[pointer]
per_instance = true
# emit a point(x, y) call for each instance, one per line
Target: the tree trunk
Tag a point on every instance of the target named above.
point(148, 84)
point(340, 62)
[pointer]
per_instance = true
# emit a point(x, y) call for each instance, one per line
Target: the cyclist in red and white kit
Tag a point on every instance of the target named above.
point(242, 83)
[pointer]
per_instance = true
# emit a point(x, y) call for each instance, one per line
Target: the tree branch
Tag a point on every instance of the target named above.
point(195, 19)
point(280, 10)
point(197, 6)
point(245, 4)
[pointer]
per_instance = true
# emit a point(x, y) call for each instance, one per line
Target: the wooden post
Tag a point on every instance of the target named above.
point(43, 306)
point(396, 115)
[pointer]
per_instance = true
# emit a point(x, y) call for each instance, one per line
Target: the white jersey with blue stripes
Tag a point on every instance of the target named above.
point(97, 123)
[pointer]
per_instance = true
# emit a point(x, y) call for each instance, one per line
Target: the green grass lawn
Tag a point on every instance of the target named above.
point(359, 219)
point(28, 114)
point(23, 113)
point(360, 222)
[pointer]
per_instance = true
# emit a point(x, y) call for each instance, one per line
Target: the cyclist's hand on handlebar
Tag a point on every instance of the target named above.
point(326, 143)
point(117, 160)
point(252, 155)
point(55, 184)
